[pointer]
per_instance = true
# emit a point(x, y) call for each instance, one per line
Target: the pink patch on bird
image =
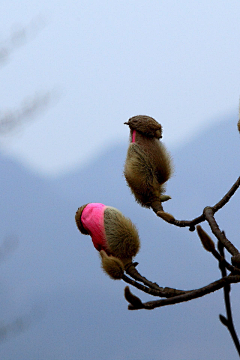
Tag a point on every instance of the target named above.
point(134, 136)
point(93, 220)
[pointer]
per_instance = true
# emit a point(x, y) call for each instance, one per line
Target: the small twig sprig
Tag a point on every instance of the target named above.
point(192, 223)
point(209, 216)
point(165, 292)
point(227, 321)
point(190, 295)
point(209, 246)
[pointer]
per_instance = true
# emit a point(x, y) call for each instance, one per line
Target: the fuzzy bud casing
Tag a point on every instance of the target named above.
point(148, 165)
point(145, 125)
point(112, 266)
point(110, 230)
point(206, 241)
point(135, 302)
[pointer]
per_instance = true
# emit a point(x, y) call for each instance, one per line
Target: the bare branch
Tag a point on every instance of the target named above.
point(227, 321)
point(227, 196)
point(209, 215)
point(209, 245)
point(132, 271)
point(201, 218)
point(165, 292)
point(216, 285)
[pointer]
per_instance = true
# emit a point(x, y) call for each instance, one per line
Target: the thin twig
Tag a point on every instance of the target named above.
point(185, 223)
point(208, 245)
point(192, 223)
point(228, 322)
point(216, 285)
point(209, 215)
point(132, 271)
point(165, 292)
point(224, 262)
point(227, 197)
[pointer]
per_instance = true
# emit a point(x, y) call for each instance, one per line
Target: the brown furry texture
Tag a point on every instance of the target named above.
point(238, 125)
point(112, 266)
point(147, 168)
point(122, 235)
point(145, 125)
point(78, 220)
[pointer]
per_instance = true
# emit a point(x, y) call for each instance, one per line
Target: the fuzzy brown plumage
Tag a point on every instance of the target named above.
point(148, 165)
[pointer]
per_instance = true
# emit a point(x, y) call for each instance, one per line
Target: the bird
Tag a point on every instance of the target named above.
point(148, 164)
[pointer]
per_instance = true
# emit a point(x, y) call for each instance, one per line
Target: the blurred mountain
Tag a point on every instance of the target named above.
point(56, 303)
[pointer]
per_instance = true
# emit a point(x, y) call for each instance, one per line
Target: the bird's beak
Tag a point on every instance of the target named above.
point(126, 123)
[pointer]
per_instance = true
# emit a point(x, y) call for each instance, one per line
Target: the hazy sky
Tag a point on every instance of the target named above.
point(178, 61)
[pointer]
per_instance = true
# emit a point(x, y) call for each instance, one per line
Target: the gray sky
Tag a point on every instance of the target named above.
point(178, 61)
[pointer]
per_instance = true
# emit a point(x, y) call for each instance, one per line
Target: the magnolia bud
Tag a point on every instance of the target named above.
point(111, 231)
point(148, 164)
point(112, 266)
point(135, 302)
point(206, 241)
point(165, 198)
point(145, 125)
